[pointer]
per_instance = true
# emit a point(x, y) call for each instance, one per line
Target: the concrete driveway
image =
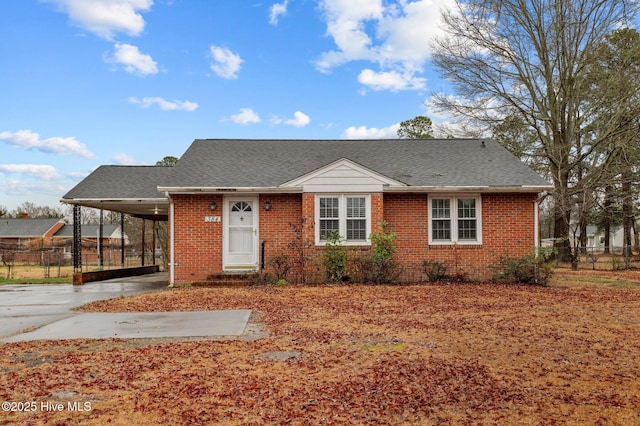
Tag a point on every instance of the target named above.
point(38, 311)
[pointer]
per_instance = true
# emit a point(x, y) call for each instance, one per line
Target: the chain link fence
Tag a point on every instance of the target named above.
point(603, 259)
point(58, 263)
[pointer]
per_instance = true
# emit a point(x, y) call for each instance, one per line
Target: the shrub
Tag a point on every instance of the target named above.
point(529, 269)
point(334, 258)
point(382, 267)
point(436, 271)
point(281, 264)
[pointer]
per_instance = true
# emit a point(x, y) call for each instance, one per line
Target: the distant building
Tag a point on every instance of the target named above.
point(27, 233)
point(23, 238)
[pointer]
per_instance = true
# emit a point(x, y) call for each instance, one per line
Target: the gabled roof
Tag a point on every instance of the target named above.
point(343, 173)
point(27, 228)
point(423, 163)
point(131, 189)
point(90, 231)
point(211, 165)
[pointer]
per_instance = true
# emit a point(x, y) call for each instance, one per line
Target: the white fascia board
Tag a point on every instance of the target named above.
point(225, 190)
point(113, 200)
point(456, 189)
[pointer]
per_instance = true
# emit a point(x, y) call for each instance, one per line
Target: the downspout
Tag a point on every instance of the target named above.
point(172, 256)
point(536, 226)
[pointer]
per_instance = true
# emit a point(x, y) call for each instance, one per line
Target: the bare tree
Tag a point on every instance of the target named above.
point(531, 59)
point(33, 210)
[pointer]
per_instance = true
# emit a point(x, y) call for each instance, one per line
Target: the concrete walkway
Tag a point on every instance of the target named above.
point(44, 312)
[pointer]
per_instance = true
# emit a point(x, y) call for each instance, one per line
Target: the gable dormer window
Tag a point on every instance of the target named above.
point(347, 214)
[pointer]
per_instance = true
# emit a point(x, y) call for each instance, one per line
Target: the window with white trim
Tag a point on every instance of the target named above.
point(348, 215)
point(455, 220)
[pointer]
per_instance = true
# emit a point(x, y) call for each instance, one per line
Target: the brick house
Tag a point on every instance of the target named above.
point(235, 204)
point(111, 240)
point(28, 233)
point(23, 239)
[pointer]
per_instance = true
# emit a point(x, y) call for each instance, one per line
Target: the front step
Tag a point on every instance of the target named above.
point(226, 279)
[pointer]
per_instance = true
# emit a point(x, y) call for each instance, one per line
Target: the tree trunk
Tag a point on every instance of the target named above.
point(636, 237)
point(626, 211)
point(561, 234)
point(607, 219)
point(583, 231)
point(562, 200)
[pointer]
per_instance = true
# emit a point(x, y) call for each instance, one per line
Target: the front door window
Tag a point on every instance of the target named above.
point(241, 247)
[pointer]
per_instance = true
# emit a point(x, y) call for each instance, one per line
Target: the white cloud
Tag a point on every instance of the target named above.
point(390, 80)
point(133, 60)
point(124, 159)
point(393, 35)
point(300, 119)
point(225, 64)
point(277, 10)
point(346, 21)
point(246, 116)
point(56, 145)
point(164, 105)
point(39, 171)
point(19, 188)
point(363, 132)
point(106, 17)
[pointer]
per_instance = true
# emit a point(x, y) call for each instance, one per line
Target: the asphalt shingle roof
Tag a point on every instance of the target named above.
point(26, 228)
point(238, 163)
point(121, 182)
point(415, 162)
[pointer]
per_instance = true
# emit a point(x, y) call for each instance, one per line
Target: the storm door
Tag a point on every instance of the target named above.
point(241, 247)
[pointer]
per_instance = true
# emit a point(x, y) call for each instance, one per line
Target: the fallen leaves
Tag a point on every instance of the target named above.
point(462, 354)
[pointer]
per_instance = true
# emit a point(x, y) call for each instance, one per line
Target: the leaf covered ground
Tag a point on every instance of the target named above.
point(414, 354)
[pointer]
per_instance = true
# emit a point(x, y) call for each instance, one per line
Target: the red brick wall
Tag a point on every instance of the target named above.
point(507, 229)
point(377, 211)
point(282, 225)
point(198, 244)
point(288, 228)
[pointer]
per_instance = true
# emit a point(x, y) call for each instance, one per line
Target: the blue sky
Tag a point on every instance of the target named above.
point(91, 82)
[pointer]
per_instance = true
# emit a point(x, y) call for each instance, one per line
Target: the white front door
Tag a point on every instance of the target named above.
point(241, 236)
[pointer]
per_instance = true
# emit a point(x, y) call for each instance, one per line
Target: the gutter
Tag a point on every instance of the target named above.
point(111, 200)
point(227, 190)
point(459, 189)
point(299, 190)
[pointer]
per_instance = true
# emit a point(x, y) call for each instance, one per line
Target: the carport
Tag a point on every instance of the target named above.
point(131, 190)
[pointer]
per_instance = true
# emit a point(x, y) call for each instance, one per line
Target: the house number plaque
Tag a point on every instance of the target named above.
point(212, 218)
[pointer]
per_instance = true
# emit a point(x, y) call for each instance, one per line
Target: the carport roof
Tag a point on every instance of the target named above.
point(127, 189)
